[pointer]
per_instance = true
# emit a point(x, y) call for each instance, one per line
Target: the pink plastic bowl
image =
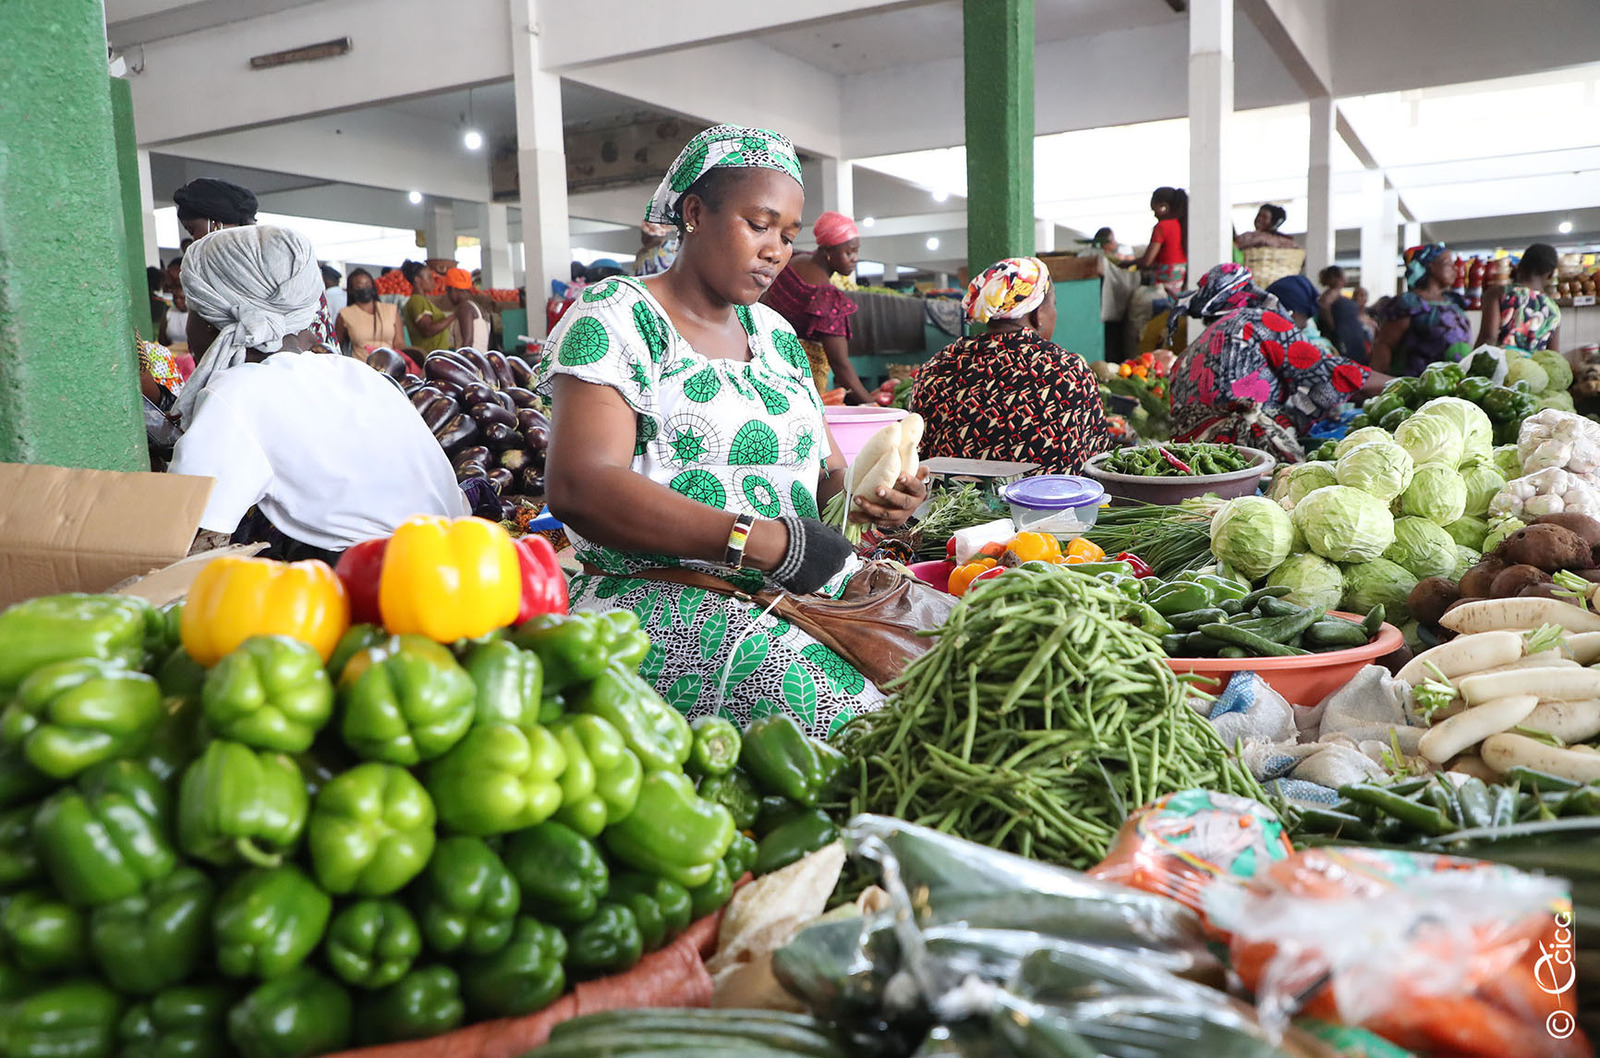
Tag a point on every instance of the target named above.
point(933, 574)
point(852, 426)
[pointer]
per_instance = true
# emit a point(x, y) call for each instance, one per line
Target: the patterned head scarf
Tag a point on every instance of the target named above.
point(256, 285)
point(1418, 259)
point(1007, 290)
point(834, 229)
point(721, 146)
point(1226, 288)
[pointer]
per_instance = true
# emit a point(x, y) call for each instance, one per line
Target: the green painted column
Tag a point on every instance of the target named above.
point(132, 206)
point(69, 379)
point(999, 97)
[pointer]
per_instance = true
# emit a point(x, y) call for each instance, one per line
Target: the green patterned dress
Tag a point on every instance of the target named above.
point(739, 436)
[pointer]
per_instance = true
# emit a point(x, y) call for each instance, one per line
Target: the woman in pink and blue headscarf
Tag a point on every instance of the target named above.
point(818, 311)
point(1252, 378)
point(1428, 322)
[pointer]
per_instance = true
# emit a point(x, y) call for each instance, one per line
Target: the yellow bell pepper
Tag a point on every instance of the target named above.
point(1084, 550)
point(449, 580)
point(1036, 547)
point(961, 579)
point(235, 598)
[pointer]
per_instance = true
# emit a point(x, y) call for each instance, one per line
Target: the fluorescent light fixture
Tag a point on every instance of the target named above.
point(933, 242)
point(867, 222)
point(415, 198)
point(472, 139)
point(1565, 227)
point(940, 194)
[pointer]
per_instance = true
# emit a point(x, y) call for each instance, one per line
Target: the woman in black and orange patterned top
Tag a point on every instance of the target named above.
point(1010, 393)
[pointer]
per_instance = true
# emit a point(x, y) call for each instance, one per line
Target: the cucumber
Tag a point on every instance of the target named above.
point(1334, 635)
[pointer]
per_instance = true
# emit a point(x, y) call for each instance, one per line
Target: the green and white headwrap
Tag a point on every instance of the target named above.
point(719, 147)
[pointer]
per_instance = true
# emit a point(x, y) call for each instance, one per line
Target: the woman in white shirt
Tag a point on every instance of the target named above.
point(321, 452)
point(176, 326)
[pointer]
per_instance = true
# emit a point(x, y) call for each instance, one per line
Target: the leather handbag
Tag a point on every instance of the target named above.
point(878, 624)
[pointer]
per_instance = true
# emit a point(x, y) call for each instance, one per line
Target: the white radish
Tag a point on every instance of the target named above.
point(1545, 659)
point(1563, 685)
point(1506, 750)
point(1462, 656)
point(1466, 729)
point(1583, 647)
point(910, 437)
point(878, 463)
point(1490, 615)
point(1568, 721)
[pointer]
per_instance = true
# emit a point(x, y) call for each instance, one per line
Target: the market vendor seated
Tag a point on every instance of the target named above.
point(320, 451)
point(1009, 393)
point(687, 435)
point(1251, 377)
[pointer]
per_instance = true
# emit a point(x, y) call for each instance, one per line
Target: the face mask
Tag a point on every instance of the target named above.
point(362, 295)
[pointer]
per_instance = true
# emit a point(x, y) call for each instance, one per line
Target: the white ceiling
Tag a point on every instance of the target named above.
point(494, 106)
point(907, 36)
point(135, 21)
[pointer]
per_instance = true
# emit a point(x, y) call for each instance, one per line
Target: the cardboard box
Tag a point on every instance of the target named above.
point(88, 530)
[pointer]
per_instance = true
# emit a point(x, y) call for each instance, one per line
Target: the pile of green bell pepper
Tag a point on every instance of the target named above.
point(576, 648)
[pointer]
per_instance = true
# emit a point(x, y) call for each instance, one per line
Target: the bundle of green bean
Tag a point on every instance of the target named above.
point(1177, 460)
point(1039, 720)
point(1170, 538)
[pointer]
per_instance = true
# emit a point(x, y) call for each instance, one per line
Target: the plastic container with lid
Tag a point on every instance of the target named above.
point(1059, 504)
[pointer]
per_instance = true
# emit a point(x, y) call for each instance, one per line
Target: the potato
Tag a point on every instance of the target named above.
point(1509, 582)
point(1542, 590)
point(1586, 527)
point(1431, 598)
point(1476, 582)
point(1549, 547)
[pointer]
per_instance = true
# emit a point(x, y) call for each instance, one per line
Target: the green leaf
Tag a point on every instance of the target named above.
point(689, 603)
point(842, 676)
point(789, 347)
point(652, 328)
point(762, 496)
point(684, 694)
point(844, 717)
point(747, 658)
point(654, 660)
point(764, 708)
point(776, 402)
point(586, 341)
point(611, 587)
point(645, 608)
point(747, 320)
point(601, 292)
point(800, 693)
point(712, 634)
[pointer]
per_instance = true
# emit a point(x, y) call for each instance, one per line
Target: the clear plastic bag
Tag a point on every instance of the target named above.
point(1431, 952)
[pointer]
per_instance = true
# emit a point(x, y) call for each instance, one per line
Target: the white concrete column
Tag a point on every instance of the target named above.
point(439, 229)
point(839, 186)
point(147, 206)
point(1210, 115)
point(542, 163)
point(1044, 236)
point(1319, 186)
point(891, 273)
point(496, 246)
point(1380, 227)
point(1411, 234)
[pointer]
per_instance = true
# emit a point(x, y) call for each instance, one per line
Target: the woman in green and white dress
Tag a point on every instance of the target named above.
point(686, 434)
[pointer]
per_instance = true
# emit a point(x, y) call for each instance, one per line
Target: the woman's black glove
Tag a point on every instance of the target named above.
point(816, 553)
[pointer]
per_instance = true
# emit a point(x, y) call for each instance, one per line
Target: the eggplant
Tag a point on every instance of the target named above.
point(444, 367)
point(411, 384)
point(508, 509)
point(480, 363)
point(502, 368)
point(523, 398)
point(537, 440)
point(471, 470)
point(491, 412)
point(438, 413)
point(477, 393)
point(456, 431)
point(424, 395)
point(504, 400)
point(515, 458)
point(502, 479)
point(532, 483)
point(474, 454)
point(499, 435)
point(529, 418)
point(388, 362)
point(521, 371)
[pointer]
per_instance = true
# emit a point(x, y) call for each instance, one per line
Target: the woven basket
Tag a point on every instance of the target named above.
point(1268, 264)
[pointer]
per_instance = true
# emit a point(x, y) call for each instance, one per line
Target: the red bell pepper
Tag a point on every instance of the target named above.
point(1141, 568)
point(359, 567)
point(544, 586)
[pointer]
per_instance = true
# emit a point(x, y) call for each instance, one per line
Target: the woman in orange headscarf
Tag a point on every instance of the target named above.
point(818, 311)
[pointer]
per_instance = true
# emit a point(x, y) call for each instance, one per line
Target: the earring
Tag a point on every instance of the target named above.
point(688, 229)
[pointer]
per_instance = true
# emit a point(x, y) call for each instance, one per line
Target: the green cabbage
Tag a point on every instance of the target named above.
point(1430, 439)
point(1482, 480)
point(1369, 584)
point(1308, 477)
point(1526, 369)
point(1500, 530)
point(1477, 432)
point(1311, 579)
point(1344, 524)
point(1560, 401)
point(1278, 490)
point(1508, 462)
point(1380, 470)
point(1252, 534)
point(1466, 558)
point(1362, 436)
point(1556, 368)
point(1423, 548)
point(1468, 531)
point(1436, 493)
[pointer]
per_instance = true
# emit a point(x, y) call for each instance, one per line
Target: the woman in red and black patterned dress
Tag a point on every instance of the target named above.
point(1010, 393)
